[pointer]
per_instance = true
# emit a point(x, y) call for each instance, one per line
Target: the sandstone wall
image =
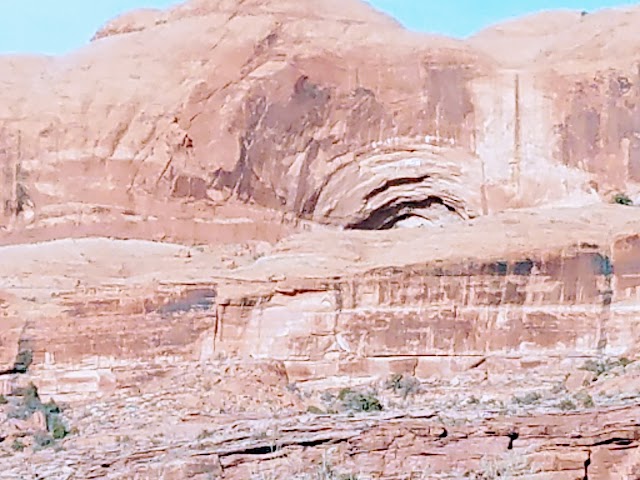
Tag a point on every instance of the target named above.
point(286, 111)
point(313, 126)
point(553, 305)
point(556, 307)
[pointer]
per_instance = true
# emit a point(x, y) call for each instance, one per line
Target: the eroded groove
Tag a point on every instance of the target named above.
point(272, 447)
point(614, 441)
point(388, 216)
point(395, 182)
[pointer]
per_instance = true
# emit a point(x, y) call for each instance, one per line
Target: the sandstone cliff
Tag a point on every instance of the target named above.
point(247, 167)
point(285, 105)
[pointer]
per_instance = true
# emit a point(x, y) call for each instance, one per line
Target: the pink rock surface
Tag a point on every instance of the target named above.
point(207, 229)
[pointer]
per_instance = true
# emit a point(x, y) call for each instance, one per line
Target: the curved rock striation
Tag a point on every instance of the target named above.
point(283, 106)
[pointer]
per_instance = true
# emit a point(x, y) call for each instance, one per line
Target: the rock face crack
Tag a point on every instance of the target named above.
point(390, 216)
point(614, 441)
point(396, 182)
point(587, 464)
point(263, 132)
point(270, 447)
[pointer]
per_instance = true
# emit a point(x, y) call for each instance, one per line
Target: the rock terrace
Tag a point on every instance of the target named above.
point(290, 239)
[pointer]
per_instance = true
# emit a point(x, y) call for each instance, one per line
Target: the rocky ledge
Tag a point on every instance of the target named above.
point(289, 239)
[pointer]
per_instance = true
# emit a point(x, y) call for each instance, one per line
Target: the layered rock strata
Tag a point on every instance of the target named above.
point(286, 149)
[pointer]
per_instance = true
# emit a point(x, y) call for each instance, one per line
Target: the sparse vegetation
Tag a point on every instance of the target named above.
point(327, 472)
point(473, 400)
point(257, 256)
point(43, 440)
point(293, 388)
point(601, 367)
point(359, 402)
point(559, 388)
point(622, 199)
point(584, 399)
point(317, 473)
point(566, 405)
point(17, 445)
point(30, 403)
point(596, 367)
point(204, 434)
point(603, 265)
point(403, 386)
point(3, 400)
point(57, 427)
point(315, 410)
point(23, 361)
point(624, 362)
point(529, 399)
point(504, 467)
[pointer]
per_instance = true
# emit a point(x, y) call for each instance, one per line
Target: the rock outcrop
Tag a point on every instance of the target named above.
point(286, 105)
point(255, 172)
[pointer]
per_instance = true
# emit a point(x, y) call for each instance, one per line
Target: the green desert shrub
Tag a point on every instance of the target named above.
point(600, 367)
point(566, 405)
point(17, 445)
point(622, 199)
point(29, 402)
point(56, 427)
point(359, 402)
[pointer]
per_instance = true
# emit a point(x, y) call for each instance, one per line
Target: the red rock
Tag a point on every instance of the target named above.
point(273, 132)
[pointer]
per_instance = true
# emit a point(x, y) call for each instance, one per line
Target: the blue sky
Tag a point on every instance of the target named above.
point(54, 27)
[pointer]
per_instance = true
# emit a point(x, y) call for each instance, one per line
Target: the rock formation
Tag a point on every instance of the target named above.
point(285, 106)
point(232, 211)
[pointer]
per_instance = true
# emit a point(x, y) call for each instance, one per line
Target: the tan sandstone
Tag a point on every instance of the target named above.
point(216, 217)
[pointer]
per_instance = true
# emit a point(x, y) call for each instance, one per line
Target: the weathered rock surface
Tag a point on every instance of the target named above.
point(292, 138)
point(287, 105)
point(519, 314)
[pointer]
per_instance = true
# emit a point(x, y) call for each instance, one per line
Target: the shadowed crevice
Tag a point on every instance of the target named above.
point(396, 182)
point(388, 216)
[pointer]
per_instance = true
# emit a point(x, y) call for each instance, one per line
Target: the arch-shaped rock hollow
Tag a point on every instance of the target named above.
point(412, 186)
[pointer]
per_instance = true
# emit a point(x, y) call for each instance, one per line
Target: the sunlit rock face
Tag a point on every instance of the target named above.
point(301, 194)
point(299, 109)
